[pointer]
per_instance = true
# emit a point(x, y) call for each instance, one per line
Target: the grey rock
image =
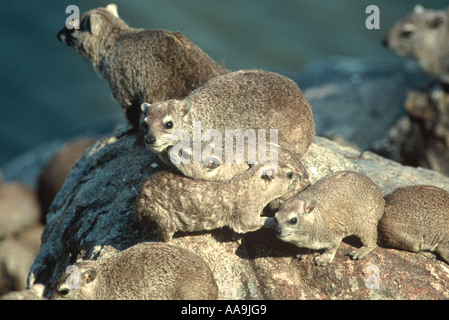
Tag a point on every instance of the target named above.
point(358, 99)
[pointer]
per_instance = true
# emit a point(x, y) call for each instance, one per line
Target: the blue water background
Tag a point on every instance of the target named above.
point(48, 92)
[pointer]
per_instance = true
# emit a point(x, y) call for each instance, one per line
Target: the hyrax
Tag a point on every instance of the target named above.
point(146, 271)
point(36, 292)
point(424, 36)
point(172, 202)
point(341, 204)
point(247, 105)
point(139, 65)
point(416, 219)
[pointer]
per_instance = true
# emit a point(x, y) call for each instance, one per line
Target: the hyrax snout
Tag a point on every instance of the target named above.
point(172, 202)
point(146, 271)
point(341, 204)
point(423, 36)
point(416, 219)
point(246, 106)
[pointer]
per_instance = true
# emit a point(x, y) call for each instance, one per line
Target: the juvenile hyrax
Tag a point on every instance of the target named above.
point(416, 219)
point(341, 204)
point(139, 65)
point(146, 271)
point(249, 105)
point(424, 37)
point(172, 202)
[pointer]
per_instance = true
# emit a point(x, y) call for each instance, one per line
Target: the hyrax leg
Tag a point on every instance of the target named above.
point(443, 250)
point(369, 241)
point(328, 255)
point(165, 234)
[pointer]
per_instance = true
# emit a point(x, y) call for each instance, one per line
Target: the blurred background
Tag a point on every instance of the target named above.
point(48, 92)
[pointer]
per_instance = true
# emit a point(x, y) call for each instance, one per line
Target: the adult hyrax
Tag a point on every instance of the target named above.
point(139, 65)
point(416, 219)
point(424, 36)
point(341, 204)
point(248, 105)
point(172, 202)
point(146, 271)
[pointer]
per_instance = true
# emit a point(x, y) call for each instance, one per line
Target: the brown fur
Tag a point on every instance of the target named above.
point(416, 219)
point(246, 99)
point(19, 208)
point(139, 65)
point(176, 203)
point(155, 271)
point(58, 168)
point(424, 36)
point(341, 204)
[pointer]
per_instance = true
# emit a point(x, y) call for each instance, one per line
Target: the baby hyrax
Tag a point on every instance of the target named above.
point(139, 65)
point(249, 105)
point(146, 271)
point(341, 204)
point(424, 37)
point(172, 202)
point(416, 219)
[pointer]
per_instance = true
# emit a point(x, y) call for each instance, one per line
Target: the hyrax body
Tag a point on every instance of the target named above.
point(139, 65)
point(239, 104)
point(36, 292)
point(416, 219)
point(341, 204)
point(173, 202)
point(424, 37)
point(146, 271)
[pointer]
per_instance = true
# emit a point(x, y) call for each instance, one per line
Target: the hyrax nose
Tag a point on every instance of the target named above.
point(150, 140)
point(385, 42)
point(277, 229)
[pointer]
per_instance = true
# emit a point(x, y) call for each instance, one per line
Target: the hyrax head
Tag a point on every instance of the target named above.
point(277, 180)
point(166, 123)
point(410, 36)
point(79, 282)
point(293, 218)
point(90, 30)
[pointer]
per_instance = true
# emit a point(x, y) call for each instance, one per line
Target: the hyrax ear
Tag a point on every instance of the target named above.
point(183, 107)
point(436, 20)
point(144, 107)
point(418, 9)
point(309, 206)
point(95, 24)
point(268, 173)
point(88, 276)
point(112, 8)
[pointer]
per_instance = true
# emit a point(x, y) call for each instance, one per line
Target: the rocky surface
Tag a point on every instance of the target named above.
point(94, 212)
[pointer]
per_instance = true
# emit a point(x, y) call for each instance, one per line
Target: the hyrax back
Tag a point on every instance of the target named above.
point(139, 65)
point(424, 37)
point(341, 204)
point(146, 271)
point(172, 202)
point(416, 219)
point(247, 104)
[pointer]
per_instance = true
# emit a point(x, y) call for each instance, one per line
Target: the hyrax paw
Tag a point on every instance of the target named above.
point(360, 253)
point(323, 260)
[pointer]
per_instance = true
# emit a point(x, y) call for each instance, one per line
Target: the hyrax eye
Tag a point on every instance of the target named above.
point(293, 221)
point(168, 125)
point(290, 175)
point(405, 34)
point(63, 292)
